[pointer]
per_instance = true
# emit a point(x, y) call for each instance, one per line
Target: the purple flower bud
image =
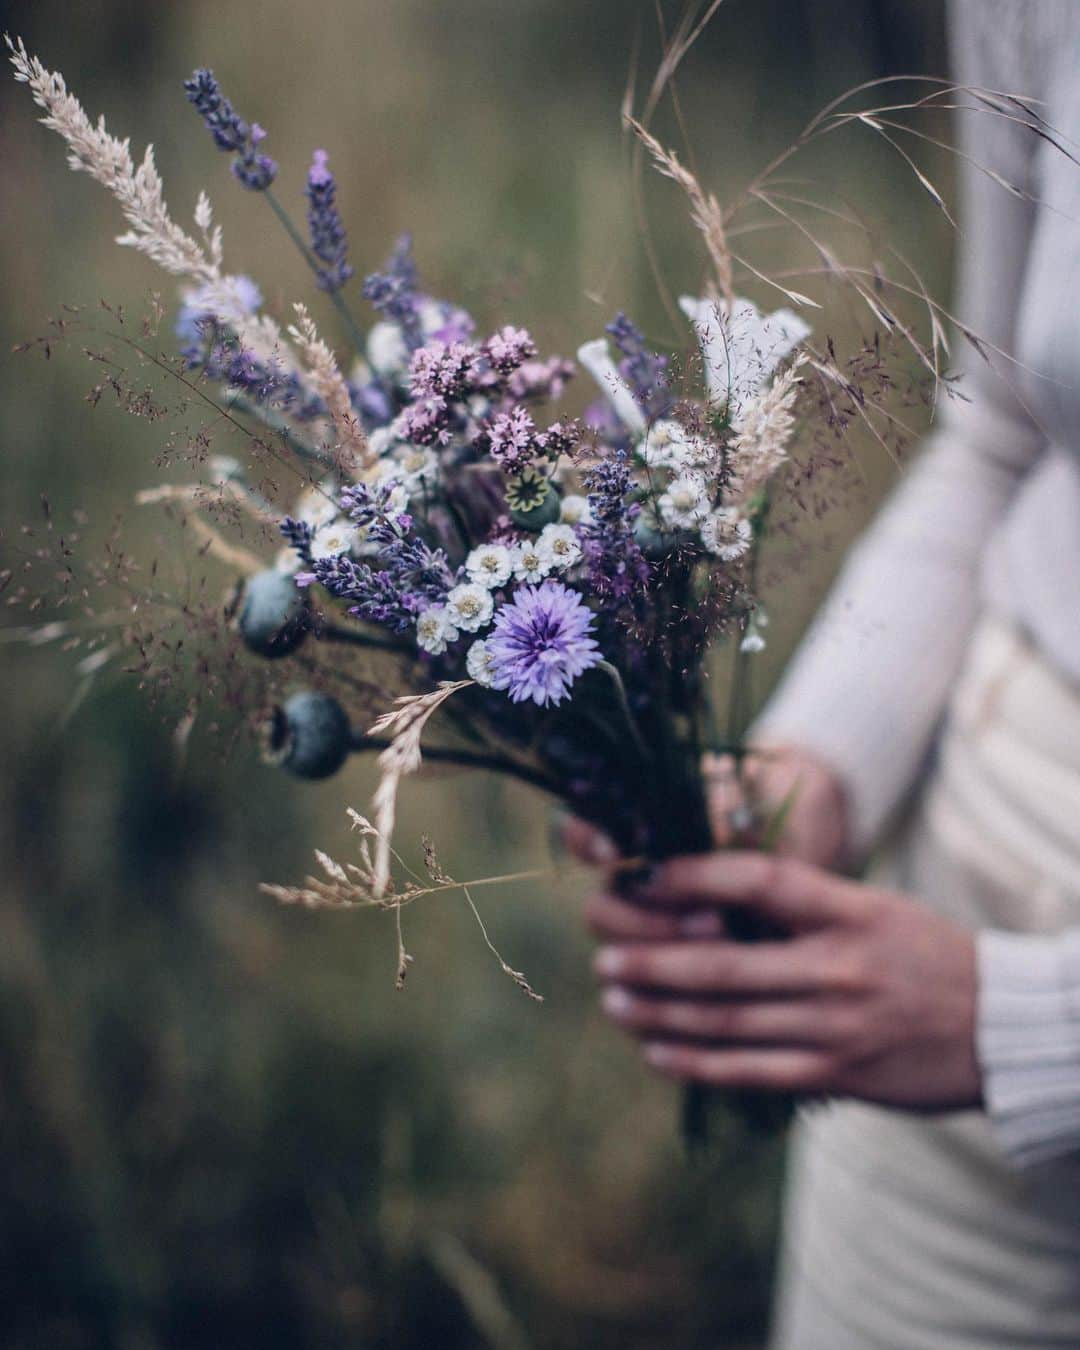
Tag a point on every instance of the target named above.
point(328, 239)
point(230, 132)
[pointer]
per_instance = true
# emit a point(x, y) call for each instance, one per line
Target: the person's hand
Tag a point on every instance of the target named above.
point(789, 780)
point(870, 995)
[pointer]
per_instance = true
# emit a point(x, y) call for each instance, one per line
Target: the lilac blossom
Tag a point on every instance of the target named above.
point(444, 370)
point(328, 239)
point(510, 439)
point(538, 380)
point(540, 643)
point(508, 349)
point(230, 132)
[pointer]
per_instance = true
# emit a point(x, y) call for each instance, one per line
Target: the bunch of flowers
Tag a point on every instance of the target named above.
point(540, 591)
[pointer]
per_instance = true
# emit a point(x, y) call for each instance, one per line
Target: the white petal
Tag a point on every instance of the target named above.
point(595, 356)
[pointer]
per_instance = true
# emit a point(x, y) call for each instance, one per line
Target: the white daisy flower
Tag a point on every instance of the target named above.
point(575, 510)
point(434, 630)
point(559, 543)
point(727, 533)
point(668, 444)
point(414, 464)
point(490, 565)
point(470, 606)
point(531, 563)
point(741, 349)
point(684, 503)
point(338, 536)
point(317, 505)
point(478, 664)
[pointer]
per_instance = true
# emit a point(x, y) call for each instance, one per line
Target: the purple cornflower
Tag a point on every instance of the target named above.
point(231, 132)
point(394, 293)
point(645, 372)
point(540, 644)
point(328, 240)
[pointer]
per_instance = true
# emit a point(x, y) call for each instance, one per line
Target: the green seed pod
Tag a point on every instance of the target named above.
point(273, 616)
point(652, 542)
point(308, 735)
point(535, 519)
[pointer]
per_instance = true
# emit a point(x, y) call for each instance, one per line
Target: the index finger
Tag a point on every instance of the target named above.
point(794, 894)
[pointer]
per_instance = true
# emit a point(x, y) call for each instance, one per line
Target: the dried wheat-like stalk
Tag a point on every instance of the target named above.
point(764, 429)
point(141, 195)
point(405, 722)
point(360, 886)
point(139, 191)
point(705, 210)
point(326, 379)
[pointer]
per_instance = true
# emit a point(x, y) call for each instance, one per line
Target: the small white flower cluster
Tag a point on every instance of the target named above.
point(470, 606)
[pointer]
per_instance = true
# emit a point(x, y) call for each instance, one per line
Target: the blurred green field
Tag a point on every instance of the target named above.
point(219, 1124)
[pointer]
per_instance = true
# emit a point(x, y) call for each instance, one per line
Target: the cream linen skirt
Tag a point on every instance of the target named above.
point(905, 1232)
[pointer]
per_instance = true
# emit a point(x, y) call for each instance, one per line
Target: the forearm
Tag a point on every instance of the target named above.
point(867, 688)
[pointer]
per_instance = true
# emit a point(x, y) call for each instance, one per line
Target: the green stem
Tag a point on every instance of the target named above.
point(336, 298)
point(335, 633)
point(624, 706)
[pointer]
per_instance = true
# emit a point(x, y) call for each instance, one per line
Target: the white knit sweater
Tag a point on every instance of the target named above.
point(989, 517)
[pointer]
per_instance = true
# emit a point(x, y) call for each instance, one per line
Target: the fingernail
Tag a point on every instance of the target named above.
point(632, 881)
point(601, 850)
point(608, 963)
point(616, 1002)
point(660, 1056)
point(702, 923)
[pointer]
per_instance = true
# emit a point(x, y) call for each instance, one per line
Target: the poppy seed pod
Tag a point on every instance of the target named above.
point(308, 735)
point(273, 617)
point(537, 517)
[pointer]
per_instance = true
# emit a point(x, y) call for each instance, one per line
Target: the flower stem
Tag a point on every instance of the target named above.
point(336, 298)
point(360, 742)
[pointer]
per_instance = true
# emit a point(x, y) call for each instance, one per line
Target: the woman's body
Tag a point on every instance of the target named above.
point(948, 662)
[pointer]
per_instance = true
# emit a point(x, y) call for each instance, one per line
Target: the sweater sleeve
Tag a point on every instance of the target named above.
point(868, 685)
point(1028, 1042)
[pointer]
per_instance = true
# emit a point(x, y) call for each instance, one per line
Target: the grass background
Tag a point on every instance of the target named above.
point(219, 1125)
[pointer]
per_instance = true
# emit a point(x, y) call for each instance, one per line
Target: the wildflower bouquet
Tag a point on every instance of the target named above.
point(537, 593)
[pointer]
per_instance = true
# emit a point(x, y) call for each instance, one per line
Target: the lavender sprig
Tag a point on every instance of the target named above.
point(644, 371)
point(393, 292)
point(230, 132)
point(328, 239)
point(618, 570)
